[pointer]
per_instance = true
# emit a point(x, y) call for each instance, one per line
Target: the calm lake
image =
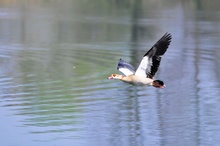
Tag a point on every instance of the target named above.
point(55, 58)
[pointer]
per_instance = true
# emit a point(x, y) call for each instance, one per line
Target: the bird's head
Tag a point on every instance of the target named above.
point(115, 76)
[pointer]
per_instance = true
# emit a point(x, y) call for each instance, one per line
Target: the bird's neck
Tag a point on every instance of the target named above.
point(126, 78)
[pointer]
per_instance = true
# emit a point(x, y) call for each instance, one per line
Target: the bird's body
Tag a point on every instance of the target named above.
point(138, 80)
point(144, 75)
point(133, 79)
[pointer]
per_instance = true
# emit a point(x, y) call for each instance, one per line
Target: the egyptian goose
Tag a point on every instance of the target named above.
point(144, 75)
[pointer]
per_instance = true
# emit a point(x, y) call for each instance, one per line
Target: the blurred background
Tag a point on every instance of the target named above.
point(55, 57)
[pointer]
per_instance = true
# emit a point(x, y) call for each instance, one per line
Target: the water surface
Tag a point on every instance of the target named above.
point(55, 58)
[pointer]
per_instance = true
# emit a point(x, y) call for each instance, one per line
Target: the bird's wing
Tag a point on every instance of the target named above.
point(151, 60)
point(125, 67)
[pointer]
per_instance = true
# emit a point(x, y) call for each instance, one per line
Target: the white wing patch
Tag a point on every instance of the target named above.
point(126, 71)
point(144, 67)
point(125, 67)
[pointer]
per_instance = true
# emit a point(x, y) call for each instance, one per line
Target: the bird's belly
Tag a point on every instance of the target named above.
point(141, 81)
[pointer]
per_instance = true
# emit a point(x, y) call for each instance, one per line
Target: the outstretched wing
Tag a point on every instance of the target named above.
point(125, 67)
point(151, 60)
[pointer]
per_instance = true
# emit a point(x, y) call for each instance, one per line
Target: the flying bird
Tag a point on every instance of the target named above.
point(144, 75)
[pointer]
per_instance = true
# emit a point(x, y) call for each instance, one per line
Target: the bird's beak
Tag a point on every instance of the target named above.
point(110, 78)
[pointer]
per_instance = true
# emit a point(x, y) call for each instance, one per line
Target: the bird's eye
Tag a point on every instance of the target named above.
point(114, 75)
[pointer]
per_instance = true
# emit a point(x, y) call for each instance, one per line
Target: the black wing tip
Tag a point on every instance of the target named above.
point(163, 43)
point(167, 36)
